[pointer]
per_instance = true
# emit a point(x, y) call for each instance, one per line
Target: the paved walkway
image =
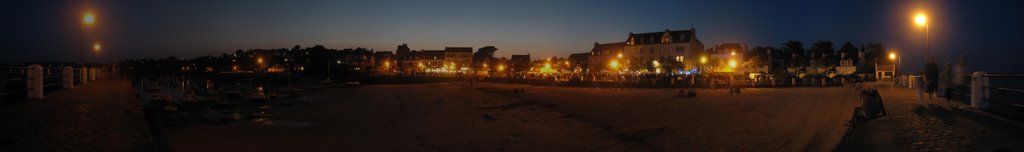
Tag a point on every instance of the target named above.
point(936, 125)
point(103, 115)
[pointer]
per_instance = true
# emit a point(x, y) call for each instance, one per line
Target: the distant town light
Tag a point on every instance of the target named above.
point(259, 60)
point(892, 55)
point(732, 53)
point(614, 64)
point(703, 60)
point(620, 55)
point(501, 67)
point(732, 63)
point(656, 64)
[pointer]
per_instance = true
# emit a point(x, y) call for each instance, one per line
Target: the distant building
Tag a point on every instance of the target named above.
point(384, 61)
point(458, 58)
point(679, 46)
point(422, 61)
point(520, 63)
point(579, 62)
point(719, 57)
point(603, 54)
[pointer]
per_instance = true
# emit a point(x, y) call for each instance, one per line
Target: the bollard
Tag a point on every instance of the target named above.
point(35, 81)
point(979, 90)
point(83, 75)
point(69, 77)
point(92, 74)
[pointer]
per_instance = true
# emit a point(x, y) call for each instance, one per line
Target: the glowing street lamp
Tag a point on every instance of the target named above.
point(620, 55)
point(892, 55)
point(732, 63)
point(87, 19)
point(96, 47)
point(614, 64)
point(922, 20)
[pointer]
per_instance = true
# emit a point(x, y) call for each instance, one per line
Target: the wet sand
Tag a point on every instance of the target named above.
point(490, 117)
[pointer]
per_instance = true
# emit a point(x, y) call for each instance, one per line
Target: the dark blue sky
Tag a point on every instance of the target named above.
point(988, 32)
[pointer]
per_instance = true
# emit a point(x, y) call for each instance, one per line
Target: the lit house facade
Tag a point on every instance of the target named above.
point(679, 47)
point(458, 58)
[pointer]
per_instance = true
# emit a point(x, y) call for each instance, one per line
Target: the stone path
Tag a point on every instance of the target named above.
point(103, 115)
point(938, 125)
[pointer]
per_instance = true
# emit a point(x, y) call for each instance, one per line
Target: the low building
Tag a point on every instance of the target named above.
point(579, 62)
point(727, 57)
point(384, 61)
point(605, 57)
point(520, 63)
point(458, 58)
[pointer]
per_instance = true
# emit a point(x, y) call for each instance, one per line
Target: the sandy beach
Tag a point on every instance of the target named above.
point(490, 117)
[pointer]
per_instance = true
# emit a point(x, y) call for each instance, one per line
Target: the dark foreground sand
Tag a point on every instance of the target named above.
point(489, 117)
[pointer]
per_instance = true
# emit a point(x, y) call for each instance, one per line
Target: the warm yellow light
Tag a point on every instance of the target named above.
point(614, 64)
point(547, 65)
point(732, 53)
point(703, 60)
point(88, 18)
point(656, 63)
point(501, 67)
point(732, 63)
point(96, 47)
point(259, 60)
point(620, 55)
point(921, 20)
point(421, 64)
point(566, 62)
point(892, 56)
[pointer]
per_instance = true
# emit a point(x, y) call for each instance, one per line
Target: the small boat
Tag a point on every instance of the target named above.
point(152, 90)
point(233, 93)
point(189, 98)
point(160, 98)
point(257, 96)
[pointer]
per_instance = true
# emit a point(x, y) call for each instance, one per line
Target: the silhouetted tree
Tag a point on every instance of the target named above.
point(849, 50)
point(823, 52)
point(794, 52)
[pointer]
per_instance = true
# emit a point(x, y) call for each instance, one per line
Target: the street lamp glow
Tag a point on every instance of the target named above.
point(921, 20)
point(620, 55)
point(732, 63)
point(88, 18)
point(892, 55)
point(656, 63)
point(703, 60)
point(96, 47)
point(259, 60)
point(614, 64)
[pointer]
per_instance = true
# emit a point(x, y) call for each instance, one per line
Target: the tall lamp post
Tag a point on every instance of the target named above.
point(922, 20)
point(86, 19)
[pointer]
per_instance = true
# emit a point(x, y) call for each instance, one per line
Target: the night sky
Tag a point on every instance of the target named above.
point(988, 32)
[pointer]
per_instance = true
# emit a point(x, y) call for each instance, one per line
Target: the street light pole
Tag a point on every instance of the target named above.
point(81, 46)
point(927, 46)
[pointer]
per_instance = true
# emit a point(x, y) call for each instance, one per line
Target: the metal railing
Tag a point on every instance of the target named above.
point(1007, 89)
